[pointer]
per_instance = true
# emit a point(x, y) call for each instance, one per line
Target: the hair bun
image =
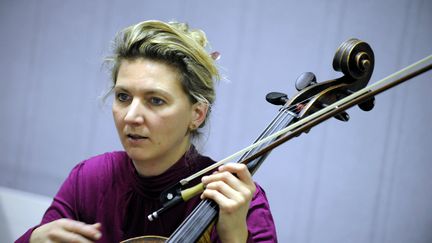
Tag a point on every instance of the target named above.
point(196, 34)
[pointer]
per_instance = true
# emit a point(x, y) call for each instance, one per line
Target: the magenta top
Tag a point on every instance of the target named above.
point(108, 189)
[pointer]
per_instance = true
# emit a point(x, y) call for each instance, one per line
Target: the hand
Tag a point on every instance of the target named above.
point(233, 194)
point(66, 230)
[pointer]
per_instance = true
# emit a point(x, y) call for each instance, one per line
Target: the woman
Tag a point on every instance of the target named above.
point(163, 89)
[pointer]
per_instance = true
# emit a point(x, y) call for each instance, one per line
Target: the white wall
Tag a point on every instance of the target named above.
point(19, 211)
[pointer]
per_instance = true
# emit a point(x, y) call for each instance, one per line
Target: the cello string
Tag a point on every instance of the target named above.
point(255, 163)
point(282, 119)
point(307, 119)
point(291, 109)
point(368, 89)
point(313, 122)
point(197, 220)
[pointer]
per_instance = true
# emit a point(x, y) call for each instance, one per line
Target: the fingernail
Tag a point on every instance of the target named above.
point(98, 235)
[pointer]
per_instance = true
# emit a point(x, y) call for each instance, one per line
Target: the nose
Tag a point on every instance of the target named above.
point(135, 113)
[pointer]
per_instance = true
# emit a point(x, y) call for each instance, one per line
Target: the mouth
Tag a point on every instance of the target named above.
point(136, 136)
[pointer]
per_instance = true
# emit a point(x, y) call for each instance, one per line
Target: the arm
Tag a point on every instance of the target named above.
point(260, 220)
point(244, 213)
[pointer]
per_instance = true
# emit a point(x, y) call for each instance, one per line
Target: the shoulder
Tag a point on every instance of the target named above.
point(100, 169)
point(91, 180)
point(86, 184)
point(104, 163)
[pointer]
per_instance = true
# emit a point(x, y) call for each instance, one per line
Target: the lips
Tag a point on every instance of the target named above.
point(136, 136)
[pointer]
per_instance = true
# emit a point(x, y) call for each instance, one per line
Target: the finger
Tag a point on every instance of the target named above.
point(225, 204)
point(227, 191)
point(67, 236)
point(231, 180)
point(240, 170)
point(96, 226)
point(89, 231)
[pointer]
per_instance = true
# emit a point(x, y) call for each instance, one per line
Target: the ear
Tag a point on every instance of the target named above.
point(199, 114)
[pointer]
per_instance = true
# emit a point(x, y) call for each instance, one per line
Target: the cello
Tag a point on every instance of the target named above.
point(313, 104)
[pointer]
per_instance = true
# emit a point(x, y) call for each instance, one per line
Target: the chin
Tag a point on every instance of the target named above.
point(137, 155)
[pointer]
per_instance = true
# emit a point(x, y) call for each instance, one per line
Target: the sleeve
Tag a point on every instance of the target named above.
point(64, 205)
point(259, 220)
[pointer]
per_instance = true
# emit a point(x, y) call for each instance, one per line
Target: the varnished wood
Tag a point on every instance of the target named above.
point(146, 239)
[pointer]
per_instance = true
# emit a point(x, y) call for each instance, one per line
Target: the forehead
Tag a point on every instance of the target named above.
point(147, 73)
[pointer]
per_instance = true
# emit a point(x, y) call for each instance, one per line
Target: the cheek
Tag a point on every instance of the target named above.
point(117, 115)
point(177, 120)
point(183, 120)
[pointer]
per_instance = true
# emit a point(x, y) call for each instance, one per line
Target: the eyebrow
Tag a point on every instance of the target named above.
point(145, 91)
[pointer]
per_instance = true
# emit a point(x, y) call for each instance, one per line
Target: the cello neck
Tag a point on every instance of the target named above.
point(197, 226)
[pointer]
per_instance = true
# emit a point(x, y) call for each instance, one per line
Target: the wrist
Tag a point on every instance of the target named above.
point(34, 235)
point(234, 235)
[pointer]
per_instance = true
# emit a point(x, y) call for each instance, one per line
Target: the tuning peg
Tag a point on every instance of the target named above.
point(342, 116)
point(304, 80)
point(368, 104)
point(277, 98)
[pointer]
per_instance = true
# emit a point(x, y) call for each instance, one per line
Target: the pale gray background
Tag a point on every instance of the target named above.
point(368, 180)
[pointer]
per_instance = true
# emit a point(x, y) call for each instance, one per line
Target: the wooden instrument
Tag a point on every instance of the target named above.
point(313, 104)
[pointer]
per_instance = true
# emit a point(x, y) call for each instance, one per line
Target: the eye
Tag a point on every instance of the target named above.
point(156, 101)
point(122, 97)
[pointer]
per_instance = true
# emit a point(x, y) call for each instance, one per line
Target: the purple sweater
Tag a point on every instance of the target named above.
point(107, 189)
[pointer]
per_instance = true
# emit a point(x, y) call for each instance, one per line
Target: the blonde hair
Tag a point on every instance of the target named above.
point(175, 44)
